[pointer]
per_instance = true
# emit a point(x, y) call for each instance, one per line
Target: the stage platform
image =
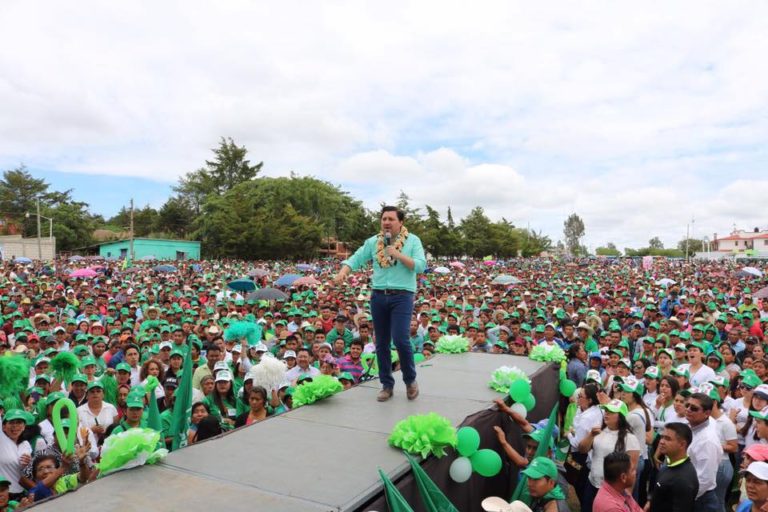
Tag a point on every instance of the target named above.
point(322, 457)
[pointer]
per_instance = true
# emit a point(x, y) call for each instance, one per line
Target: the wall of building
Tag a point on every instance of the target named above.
point(160, 249)
point(14, 246)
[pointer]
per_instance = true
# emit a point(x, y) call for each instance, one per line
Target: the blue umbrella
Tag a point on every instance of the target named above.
point(23, 260)
point(76, 257)
point(197, 267)
point(242, 285)
point(304, 267)
point(287, 279)
point(165, 268)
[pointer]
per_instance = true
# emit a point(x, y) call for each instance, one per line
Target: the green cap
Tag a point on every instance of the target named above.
point(16, 414)
point(135, 400)
point(541, 467)
point(123, 367)
point(616, 406)
point(52, 397)
point(346, 376)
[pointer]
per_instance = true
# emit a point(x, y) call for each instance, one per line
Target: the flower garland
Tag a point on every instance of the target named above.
point(381, 255)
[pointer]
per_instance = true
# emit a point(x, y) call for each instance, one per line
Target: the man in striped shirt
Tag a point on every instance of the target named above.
point(351, 362)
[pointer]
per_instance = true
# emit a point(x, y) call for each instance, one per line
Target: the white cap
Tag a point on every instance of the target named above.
point(593, 376)
point(220, 365)
point(223, 375)
point(758, 469)
point(289, 353)
point(496, 504)
point(237, 348)
point(165, 344)
point(260, 347)
point(762, 388)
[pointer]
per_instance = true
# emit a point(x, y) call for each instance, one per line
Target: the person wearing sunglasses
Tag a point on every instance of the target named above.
point(705, 450)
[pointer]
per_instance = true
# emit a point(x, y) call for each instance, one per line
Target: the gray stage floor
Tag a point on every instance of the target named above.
point(319, 457)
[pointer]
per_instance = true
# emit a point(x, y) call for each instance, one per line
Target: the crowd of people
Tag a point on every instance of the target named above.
point(669, 359)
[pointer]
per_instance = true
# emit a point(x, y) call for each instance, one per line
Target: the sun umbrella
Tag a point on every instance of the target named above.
point(287, 279)
point(489, 262)
point(23, 260)
point(242, 285)
point(456, 264)
point(665, 281)
point(76, 257)
point(305, 267)
point(197, 267)
point(267, 294)
point(306, 281)
point(149, 257)
point(762, 293)
point(258, 272)
point(505, 279)
point(441, 270)
point(165, 268)
point(752, 271)
point(84, 272)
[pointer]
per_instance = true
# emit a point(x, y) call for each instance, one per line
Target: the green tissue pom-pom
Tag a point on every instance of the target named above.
point(424, 434)
point(504, 376)
point(321, 387)
point(64, 366)
point(239, 330)
point(134, 447)
point(548, 354)
point(14, 378)
point(452, 345)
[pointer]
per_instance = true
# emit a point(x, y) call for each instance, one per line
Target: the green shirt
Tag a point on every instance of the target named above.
point(397, 276)
point(333, 335)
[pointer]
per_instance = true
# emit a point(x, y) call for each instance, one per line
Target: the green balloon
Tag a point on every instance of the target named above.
point(418, 358)
point(519, 389)
point(486, 462)
point(468, 441)
point(567, 387)
point(529, 403)
point(66, 439)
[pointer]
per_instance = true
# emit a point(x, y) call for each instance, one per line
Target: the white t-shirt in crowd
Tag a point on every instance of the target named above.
point(604, 444)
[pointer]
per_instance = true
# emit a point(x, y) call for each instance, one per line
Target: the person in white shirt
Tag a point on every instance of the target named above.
point(96, 415)
point(726, 432)
point(302, 367)
point(705, 450)
point(698, 372)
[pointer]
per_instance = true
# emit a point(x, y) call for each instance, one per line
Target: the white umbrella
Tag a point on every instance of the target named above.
point(752, 271)
point(441, 270)
point(505, 279)
point(666, 281)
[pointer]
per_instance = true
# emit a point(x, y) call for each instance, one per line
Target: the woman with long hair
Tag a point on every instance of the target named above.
point(639, 419)
point(257, 402)
point(588, 416)
point(222, 402)
point(614, 436)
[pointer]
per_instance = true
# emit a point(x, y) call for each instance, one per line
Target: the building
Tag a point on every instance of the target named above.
point(741, 243)
point(332, 248)
point(152, 248)
point(14, 246)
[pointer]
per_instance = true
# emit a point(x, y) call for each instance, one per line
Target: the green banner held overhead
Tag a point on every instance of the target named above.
point(521, 491)
point(433, 498)
point(395, 500)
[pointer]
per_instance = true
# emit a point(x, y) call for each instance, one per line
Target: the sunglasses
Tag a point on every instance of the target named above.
point(747, 388)
point(693, 408)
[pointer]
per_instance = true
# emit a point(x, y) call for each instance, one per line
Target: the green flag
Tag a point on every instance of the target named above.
point(182, 407)
point(433, 498)
point(395, 500)
point(153, 415)
point(521, 491)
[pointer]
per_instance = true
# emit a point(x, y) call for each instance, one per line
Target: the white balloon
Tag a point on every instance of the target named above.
point(460, 470)
point(519, 409)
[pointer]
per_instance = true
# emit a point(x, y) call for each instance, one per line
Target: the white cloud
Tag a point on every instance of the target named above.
point(632, 115)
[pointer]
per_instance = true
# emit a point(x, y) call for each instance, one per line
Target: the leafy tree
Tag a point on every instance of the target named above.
point(655, 243)
point(175, 217)
point(144, 220)
point(533, 243)
point(573, 232)
point(607, 251)
point(228, 168)
point(477, 233)
point(694, 246)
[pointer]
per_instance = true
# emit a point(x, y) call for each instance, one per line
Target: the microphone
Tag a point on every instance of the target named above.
point(388, 242)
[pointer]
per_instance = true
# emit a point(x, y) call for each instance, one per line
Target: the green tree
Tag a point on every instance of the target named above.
point(607, 251)
point(655, 243)
point(228, 168)
point(694, 245)
point(73, 225)
point(175, 217)
point(144, 220)
point(573, 231)
point(478, 233)
point(533, 243)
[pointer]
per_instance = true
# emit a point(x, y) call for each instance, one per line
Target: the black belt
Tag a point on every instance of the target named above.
point(391, 291)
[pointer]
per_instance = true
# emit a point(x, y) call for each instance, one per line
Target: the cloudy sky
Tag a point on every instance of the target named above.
point(639, 116)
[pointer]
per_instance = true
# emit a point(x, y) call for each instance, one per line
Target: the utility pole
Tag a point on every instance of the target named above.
point(687, 238)
point(39, 235)
point(130, 249)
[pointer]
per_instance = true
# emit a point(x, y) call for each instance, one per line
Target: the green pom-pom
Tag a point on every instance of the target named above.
point(239, 330)
point(549, 354)
point(14, 379)
point(150, 324)
point(321, 387)
point(110, 388)
point(423, 434)
point(504, 376)
point(128, 449)
point(452, 345)
point(64, 366)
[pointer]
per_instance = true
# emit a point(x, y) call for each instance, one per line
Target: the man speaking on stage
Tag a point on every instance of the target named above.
point(397, 257)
